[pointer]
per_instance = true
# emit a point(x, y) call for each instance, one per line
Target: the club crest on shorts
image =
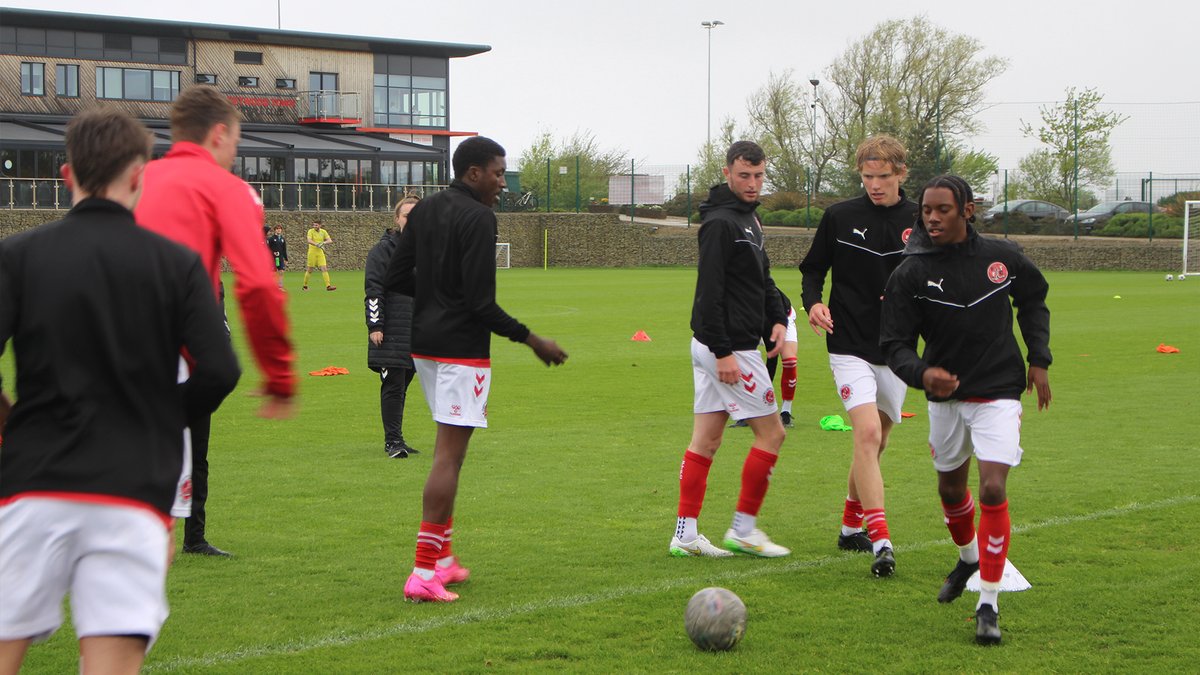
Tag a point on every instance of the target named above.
point(905, 235)
point(997, 273)
point(846, 392)
point(769, 397)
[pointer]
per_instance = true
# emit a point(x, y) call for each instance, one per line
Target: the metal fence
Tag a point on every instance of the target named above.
point(52, 193)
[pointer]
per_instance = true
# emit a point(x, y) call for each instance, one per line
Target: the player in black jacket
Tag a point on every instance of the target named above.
point(735, 298)
point(389, 336)
point(93, 447)
point(953, 290)
point(860, 240)
point(446, 260)
point(278, 245)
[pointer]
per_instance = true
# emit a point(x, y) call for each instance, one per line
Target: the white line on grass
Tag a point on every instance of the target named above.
point(495, 614)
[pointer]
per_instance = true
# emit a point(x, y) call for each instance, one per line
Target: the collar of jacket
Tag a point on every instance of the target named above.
point(457, 184)
point(94, 204)
point(920, 244)
point(721, 197)
point(189, 149)
point(898, 205)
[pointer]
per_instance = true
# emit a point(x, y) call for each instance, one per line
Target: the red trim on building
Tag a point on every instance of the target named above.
point(330, 120)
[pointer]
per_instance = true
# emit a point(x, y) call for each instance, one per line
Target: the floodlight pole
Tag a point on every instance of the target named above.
point(708, 26)
point(813, 149)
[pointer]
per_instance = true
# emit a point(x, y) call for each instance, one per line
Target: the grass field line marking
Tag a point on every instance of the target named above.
point(484, 614)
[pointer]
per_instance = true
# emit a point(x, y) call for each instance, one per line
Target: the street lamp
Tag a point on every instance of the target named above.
point(812, 149)
point(708, 26)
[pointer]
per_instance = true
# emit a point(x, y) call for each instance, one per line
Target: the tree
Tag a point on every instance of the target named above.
point(783, 121)
point(711, 159)
point(595, 165)
point(1076, 134)
point(914, 80)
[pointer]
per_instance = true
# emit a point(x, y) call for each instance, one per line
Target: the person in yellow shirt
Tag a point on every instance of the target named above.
point(318, 239)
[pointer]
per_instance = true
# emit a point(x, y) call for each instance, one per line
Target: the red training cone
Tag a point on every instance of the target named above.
point(640, 336)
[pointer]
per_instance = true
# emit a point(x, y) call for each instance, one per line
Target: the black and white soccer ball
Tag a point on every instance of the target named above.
point(715, 619)
point(1170, 277)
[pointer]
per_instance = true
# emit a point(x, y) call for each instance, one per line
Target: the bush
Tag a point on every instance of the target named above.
point(773, 217)
point(1137, 225)
point(1017, 224)
point(784, 201)
point(677, 205)
point(1173, 204)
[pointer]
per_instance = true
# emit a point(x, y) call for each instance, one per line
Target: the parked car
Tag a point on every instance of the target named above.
point(1032, 209)
point(1098, 215)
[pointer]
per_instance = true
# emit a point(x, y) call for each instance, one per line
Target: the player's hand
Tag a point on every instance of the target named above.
point(939, 382)
point(277, 408)
point(1039, 378)
point(727, 369)
point(546, 350)
point(820, 319)
point(778, 333)
point(376, 337)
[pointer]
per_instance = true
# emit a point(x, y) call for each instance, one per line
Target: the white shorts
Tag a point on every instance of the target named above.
point(457, 393)
point(110, 558)
point(993, 429)
point(752, 396)
point(859, 382)
point(791, 326)
point(182, 508)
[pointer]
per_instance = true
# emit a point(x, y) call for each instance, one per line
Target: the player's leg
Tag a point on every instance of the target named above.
point(787, 381)
point(325, 274)
point(449, 571)
point(195, 538)
point(707, 431)
point(12, 653)
point(854, 382)
point(949, 445)
point(868, 479)
point(441, 488)
point(112, 654)
point(391, 410)
point(407, 375)
point(755, 399)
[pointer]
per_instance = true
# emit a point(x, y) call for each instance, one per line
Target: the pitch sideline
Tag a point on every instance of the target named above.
point(566, 602)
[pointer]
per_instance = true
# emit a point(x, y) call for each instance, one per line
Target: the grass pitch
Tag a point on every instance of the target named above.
point(567, 504)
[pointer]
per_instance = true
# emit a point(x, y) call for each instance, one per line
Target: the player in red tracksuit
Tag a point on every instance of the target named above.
point(191, 197)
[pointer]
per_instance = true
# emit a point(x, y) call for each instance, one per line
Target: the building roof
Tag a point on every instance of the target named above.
point(204, 31)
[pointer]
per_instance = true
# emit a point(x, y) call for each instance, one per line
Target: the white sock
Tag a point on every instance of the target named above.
point(743, 523)
point(426, 575)
point(847, 530)
point(445, 562)
point(970, 553)
point(877, 546)
point(685, 529)
point(787, 406)
point(989, 593)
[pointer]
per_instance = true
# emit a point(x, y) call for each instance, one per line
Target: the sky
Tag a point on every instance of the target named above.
point(635, 72)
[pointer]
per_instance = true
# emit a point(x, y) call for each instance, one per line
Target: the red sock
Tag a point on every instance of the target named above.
point(852, 514)
point(693, 481)
point(446, 552)
point(429, 544)
point(960, 520)
point(787, 381)
point(756, 477)
point(876, 524)
point(994, 532)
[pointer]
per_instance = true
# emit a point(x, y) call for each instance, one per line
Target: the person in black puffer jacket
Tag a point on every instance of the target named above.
point(389, 326)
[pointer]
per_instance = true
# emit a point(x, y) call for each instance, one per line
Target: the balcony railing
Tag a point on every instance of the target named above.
point(52, 193)
point(337, 107)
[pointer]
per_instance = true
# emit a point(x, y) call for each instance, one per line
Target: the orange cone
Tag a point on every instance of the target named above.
point(640, 336)
point(1167, 349)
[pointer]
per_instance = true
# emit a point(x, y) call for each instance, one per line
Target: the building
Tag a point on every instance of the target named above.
point(329, 121)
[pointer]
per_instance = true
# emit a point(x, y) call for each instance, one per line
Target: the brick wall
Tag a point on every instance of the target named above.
point(602, 240)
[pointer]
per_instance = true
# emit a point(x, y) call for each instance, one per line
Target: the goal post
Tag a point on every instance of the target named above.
point(1191, 256)
point(503, 256)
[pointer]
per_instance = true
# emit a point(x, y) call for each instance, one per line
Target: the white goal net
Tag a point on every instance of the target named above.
point(1191, 249)
point(503, 257)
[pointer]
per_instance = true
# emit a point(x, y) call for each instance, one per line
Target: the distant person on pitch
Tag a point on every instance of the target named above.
point(278, 246)
point(446, 260)
point(735, 297)
point(957, 290)
point(93, 448)
point(318, 238)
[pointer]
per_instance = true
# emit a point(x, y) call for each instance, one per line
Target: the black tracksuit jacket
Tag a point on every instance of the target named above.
point(957, 299)
point(98, 309)
point(861, 243)
point(735, 294)
point(387, 311)
point(445, 259)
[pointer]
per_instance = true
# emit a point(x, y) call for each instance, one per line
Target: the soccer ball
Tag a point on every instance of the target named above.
point(1170, 278)
point(1181, 277)
point(715, 619)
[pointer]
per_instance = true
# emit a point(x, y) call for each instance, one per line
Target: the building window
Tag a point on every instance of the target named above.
point(248, 57)
point(33, 79)
point(203, 78)
point(247, 81)
point(285, 83)
point(410, 91)
point(66, 80)
point(323, 81)
point(137, 84)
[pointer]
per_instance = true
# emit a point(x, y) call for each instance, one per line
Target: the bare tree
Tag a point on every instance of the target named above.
point(1076, 134)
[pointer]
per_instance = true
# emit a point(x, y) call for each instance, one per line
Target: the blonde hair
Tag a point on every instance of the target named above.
point(882, 148)
point(408, 199)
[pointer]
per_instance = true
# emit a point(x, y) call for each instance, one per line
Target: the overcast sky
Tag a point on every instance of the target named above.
point(634, 72)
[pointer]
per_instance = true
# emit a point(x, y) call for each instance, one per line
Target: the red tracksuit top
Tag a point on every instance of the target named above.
point(189, 198)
